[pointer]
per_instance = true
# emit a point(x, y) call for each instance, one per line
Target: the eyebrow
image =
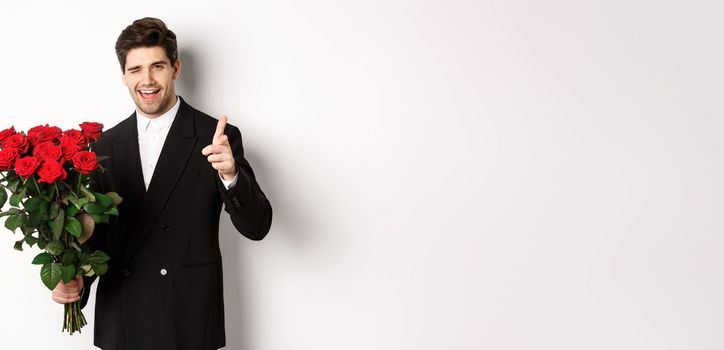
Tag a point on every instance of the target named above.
point(152, 64)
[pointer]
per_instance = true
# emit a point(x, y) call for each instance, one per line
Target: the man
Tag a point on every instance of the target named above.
point(163, 289)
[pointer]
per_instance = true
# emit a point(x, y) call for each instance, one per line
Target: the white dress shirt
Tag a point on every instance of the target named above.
point(152, 134)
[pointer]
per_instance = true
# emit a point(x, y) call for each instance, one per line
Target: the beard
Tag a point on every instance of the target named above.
point(159, 105)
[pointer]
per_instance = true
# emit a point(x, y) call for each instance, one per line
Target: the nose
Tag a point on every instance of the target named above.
point(147, 77)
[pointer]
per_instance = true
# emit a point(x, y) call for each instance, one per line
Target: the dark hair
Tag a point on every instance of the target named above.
point(146, 32)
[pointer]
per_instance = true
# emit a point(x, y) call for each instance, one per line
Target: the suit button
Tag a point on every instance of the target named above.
point(163, 272)
point(125, 272)
point(166, 228)
point(236, 202)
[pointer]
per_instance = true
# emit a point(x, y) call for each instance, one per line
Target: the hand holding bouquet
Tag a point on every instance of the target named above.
point(47, 175)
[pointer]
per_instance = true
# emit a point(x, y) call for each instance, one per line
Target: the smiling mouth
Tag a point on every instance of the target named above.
point(148, 94)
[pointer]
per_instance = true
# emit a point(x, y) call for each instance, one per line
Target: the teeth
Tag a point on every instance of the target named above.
point(148, 91)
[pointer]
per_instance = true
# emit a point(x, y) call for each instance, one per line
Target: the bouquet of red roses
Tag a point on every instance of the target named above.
point(46, 173)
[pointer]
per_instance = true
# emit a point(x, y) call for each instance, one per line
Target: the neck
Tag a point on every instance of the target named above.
point(157, 115)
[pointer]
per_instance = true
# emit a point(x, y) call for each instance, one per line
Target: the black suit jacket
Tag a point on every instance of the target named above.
point(164, 289)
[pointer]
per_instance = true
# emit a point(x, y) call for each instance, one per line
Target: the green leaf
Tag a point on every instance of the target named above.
point(103, 199)
point(73, 199)
point(113, 210)
point(34, 220)
point(37, 209)
point(67, 273)
point(42, 243)
point(55, 247)
point(30, 240)
point(115, 197)
point(11, 211)
point(57, 226)
point(54, 210)
point(50, 274)
point(3, 196)
point(72, 225)
point(94, 209)
point(49, 193)
point(75, 246)
point(32, 204)
point(70, 211)
point(44, 207)
point(101, 204)
point(31, 183)
point(84, 258)
point(69, 258)
point(17, 197)
point(19, 245)
point(42, 259)
point(100, 269)
point(99, 257)
point(78, 202)
point(15, 221)
point(13, 184)
point(83, 201)
point(88, 194)
point(100, 218)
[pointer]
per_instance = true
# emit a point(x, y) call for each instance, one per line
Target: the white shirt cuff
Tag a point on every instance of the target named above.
point(229, 184)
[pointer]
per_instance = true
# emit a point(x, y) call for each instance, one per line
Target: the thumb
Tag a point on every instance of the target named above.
point(220, 126)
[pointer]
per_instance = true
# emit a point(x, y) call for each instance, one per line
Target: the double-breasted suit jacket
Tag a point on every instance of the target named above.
point(164, 289)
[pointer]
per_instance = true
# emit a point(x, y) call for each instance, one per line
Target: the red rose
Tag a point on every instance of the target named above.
point(7, 158)
point(69, 150)
point(7, 133)
point(17, 141)
point(47, 151)
point(85, 162)
point(43, 133)
point(26, 166)
point(91, 130)
point(51, 171)
point(74, 137)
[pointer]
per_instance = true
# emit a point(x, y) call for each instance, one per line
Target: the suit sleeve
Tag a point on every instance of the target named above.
point(250, 210)
point(95, 242)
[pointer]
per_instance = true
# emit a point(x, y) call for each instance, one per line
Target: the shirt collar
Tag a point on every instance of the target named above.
point(159, 122)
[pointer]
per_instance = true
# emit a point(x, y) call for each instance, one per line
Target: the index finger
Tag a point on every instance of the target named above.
point(220, 126)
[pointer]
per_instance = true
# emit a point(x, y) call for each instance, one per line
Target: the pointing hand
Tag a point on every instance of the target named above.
point(219, 154)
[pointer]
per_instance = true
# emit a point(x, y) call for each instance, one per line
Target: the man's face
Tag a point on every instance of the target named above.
point(149, 76)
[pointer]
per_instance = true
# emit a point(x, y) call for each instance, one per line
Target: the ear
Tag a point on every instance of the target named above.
point(176, 69)
point(123, 76)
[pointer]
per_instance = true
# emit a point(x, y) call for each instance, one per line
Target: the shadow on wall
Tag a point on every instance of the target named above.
point(189, 78)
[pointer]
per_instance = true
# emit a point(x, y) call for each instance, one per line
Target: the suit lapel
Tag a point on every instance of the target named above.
point(129, 161)
point(175, 154)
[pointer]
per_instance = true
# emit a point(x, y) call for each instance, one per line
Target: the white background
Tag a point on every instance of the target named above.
point(444, 174)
